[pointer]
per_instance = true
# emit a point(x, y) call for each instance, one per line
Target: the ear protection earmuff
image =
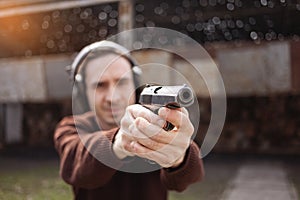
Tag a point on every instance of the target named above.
point(77, 78)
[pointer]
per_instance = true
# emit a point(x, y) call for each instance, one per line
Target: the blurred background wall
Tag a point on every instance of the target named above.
point(255, 45)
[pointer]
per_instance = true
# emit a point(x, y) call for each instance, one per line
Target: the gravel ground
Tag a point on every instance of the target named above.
point(34, 176)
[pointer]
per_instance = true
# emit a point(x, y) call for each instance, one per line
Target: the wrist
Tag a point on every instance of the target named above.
point(178, 162)
point(118, 151)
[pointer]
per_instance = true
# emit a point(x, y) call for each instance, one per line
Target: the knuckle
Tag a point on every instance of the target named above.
point(135, 133)
point(123, 122)
point(191, 129)
point(129, 109)
point(152, 144)
point(143, 113)
point(172, 159)
point(140, 123)
point(132, 109)
point(168, 162)
point(124, 138)
point(184, 142)
point(125, 145)
point(137, 121)
point(185, 111)
point(166, 137)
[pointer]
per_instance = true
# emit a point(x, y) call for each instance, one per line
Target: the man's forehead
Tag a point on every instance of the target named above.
point(103, 59)
point(107, 67)
point(110, 73)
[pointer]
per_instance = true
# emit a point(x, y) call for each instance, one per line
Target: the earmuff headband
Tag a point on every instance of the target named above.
point(102, 45)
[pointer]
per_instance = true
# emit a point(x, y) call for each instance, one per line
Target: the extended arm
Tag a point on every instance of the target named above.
point(78, 167)
point(190, 171)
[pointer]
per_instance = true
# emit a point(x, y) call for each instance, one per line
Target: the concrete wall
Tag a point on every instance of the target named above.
point(35, 79)
point(256, 70)
point(259, 124)
point(248, 70)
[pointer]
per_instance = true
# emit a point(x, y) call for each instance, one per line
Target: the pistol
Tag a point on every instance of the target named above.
point(154, 97)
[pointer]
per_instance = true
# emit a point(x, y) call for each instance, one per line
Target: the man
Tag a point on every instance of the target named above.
point(108, 153)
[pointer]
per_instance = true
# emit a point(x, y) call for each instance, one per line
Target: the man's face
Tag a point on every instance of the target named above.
point(110, 88)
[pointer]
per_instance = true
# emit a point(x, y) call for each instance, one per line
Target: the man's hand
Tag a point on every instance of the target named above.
point(142, 134)
point(124, 139)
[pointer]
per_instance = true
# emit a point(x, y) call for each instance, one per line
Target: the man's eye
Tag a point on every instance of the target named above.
point(100, 85)
point(123, 82)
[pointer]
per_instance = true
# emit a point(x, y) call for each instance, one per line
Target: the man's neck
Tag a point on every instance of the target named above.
point(106, 126)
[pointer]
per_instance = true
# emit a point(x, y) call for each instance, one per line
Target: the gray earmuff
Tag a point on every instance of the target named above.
point(105, 46)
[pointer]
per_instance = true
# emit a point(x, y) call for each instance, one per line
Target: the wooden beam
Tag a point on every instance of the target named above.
point(50, 6)
point(16, 3)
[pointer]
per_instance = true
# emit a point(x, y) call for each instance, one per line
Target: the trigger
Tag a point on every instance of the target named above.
point(168, 126)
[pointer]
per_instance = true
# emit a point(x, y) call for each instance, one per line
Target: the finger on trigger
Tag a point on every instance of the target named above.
point(176, 117)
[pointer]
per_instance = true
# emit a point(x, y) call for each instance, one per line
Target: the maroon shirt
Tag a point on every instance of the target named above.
point(93, 180)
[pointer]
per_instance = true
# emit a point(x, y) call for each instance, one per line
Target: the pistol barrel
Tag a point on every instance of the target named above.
point(170, 96)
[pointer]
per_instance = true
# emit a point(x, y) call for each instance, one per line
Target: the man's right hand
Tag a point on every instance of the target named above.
point(124, 139)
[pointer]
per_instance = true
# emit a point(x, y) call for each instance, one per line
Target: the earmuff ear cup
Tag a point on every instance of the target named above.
point(79, 98)
point(137, 73)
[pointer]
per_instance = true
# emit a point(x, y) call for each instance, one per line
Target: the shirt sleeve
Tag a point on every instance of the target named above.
point(190, 171)
point(78, 166)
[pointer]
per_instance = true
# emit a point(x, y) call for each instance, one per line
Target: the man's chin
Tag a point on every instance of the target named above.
point(113, 120)
point(109, 119)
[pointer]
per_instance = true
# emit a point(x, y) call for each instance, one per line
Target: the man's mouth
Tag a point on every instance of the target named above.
point(113, 111)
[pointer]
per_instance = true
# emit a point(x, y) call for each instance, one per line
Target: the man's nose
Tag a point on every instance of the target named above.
point(112, 95)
